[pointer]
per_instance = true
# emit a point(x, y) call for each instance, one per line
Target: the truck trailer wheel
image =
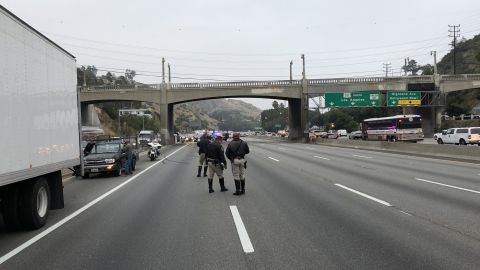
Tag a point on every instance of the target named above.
point(10, 208)
point(34, 204)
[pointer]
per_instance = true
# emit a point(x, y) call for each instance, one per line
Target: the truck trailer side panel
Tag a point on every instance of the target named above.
point(38, 103)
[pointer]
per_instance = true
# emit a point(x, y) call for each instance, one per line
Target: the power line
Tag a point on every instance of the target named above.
point(241, 54)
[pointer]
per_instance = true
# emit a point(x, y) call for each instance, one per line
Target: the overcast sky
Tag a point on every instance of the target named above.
point(249, 40)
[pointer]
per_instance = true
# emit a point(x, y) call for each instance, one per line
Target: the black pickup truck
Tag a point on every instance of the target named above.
point(107, 157)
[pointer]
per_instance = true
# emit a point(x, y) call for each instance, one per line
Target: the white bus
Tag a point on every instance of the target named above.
point(393, 128)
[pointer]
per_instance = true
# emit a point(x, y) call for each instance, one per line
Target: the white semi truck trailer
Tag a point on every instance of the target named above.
point(39, 126)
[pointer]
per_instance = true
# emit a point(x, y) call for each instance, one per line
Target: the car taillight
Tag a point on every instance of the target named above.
point(469, 137)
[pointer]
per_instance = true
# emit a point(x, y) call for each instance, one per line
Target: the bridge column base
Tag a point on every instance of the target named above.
point(297, 119)
point(166, 124)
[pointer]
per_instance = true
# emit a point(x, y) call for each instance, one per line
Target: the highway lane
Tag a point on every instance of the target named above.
point(364, 170)
point(295, 214)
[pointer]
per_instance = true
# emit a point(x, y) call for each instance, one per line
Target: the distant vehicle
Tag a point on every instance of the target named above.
point(463, 136)
point(146, 136)
point(319, 133)
point(407, 128)
point(39, 124)
point(445, 117)
point(332, 134)
point(470, 116)
point(355, 135)
point(342, 133)
point(107, 158)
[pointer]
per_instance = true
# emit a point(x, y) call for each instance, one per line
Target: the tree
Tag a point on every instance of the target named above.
point(130, 74)
point(411, 67)
point(275, 105)
point(427, 69)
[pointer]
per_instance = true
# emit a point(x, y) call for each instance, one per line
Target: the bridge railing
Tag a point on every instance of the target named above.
point(117, 87)
point(252, 84)
point(235, 84)
point(460, 77)
point(370, 80)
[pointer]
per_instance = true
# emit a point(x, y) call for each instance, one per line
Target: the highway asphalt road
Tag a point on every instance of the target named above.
point(306, 207)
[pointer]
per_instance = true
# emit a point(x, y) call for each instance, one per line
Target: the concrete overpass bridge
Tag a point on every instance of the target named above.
point(296, 92)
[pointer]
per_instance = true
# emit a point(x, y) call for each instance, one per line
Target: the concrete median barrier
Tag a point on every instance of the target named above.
point(452, 152)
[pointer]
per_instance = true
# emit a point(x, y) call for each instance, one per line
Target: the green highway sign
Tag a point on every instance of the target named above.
point(278, 125)
point(404, 98)
point(353, 99)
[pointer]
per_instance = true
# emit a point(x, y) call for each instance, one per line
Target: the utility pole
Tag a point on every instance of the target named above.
point(303, 71)
point(434, 53)
point(163, 69)
point(169, 75)
point(84, 77)
point(386, 67)
point(454, 32)
point(291, 76)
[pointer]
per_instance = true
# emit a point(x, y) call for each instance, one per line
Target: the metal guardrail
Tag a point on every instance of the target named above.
point(250, 84)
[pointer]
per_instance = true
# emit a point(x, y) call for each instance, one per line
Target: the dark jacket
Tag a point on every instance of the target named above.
point(202, 145)
point(237, 149)
point(215, 152)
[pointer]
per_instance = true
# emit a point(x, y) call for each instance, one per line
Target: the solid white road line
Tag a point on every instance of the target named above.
point(364, 195)
point(445, 185)
point(55, 226)
point(242, 232)
point(274, 159)
point(321, 157)
point(361, 156)
point(281, 148)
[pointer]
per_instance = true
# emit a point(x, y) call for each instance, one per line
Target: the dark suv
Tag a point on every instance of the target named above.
point(107, 157)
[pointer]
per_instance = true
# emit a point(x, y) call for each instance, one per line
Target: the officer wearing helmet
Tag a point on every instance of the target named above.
point(202, 150)
point(236, 151)
point(216, 163)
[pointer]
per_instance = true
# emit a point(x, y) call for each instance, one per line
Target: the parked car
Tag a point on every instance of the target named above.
point(342, 133)
point(355, 135)
point(463, 136)
point(107, 157)
point(332, 134)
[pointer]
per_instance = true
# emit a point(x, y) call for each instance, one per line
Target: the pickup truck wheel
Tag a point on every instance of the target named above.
point(440, 141)
point(463, 142)
point(10, 208)
point(118, 172)
point(35, 202)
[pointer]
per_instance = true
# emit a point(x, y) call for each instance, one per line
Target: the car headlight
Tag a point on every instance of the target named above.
point(110, 160)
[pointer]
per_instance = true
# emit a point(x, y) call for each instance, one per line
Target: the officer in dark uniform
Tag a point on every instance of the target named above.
point(216, 163)
point(202, 150)
point(236, 151)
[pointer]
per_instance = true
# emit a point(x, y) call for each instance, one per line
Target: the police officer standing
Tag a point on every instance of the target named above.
point(202, 150)
point(216, 163)
point(236, 151)
point(127, 148)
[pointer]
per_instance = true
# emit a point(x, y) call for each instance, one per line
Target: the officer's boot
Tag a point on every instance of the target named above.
point(205, 168)
point(210, 185)
point(222, 184)
point(199, 171)
point(237, 188)
point(242, 182)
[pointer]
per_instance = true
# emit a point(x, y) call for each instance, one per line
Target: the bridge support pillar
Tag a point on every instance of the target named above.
point(89, 115)
point(429, 117)
point(166, 115)
point(297, 119)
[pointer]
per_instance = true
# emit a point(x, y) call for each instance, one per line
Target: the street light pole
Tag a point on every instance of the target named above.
point(291, 76)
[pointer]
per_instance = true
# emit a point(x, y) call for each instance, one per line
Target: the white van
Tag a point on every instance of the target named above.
point(342, 132)
point(464, 136)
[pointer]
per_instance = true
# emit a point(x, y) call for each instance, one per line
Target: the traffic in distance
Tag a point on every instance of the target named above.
point(105, 171)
